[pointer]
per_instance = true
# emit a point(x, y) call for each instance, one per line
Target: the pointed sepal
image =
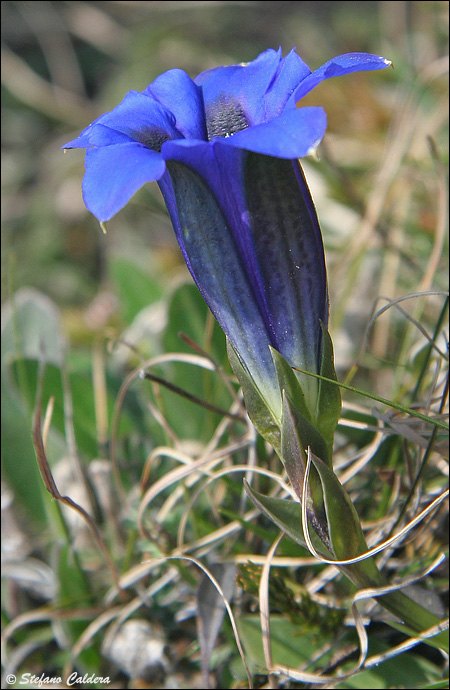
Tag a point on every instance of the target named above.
point(329, 402)
point(258, 410)
point(289, 382)
point(287, 515)
point(344, 528)
point(297, 433)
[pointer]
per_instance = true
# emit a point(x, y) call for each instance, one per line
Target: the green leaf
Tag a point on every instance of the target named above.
point(289, 382)
point(189, 315)
point(135, 288)
point(19, 465)
point(257, 409)
point(302, 433)
point(343, 521)
point(287, 515)
point(296, 435)
point(30, 328)
point(290, 645)
point(329, 401)
point(407, 670)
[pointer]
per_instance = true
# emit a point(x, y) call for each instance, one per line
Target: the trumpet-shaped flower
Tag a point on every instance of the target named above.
point(224, 148)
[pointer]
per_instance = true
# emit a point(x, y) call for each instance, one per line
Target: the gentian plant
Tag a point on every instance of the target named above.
point(224, 149)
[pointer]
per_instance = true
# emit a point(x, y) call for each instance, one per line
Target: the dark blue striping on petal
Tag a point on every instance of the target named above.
point(208, 244)
point(288, 265)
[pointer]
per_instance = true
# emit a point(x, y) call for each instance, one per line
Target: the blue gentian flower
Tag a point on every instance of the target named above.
point(224, 148)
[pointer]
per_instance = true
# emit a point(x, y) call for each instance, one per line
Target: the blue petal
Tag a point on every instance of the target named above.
point(137, 118)
point(289, 255)
point(114, 173)
point(238, 87)
point(338, 66)
point(176, 91)
point(211, 255)
point(270, 215)
point(221, 166)
point(294, 134)
point(291, 71)
point(97, 135)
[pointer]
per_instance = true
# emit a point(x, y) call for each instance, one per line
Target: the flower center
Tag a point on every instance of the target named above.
point(152, 137)
point(224, 118)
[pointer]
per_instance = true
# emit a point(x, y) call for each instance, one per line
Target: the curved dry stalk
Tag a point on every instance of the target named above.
point(163, 423)
point(368, 663)
point(373, 593)
point(46, 613)
point(141, 600)
point(51, 487)
point(222, 533)
point(408, 644)
point(265, 609)
point(144, 568)
point(87, 635)
point(204, 464)
point(132, 376)
point(394, 303)
point(369, 452)
point(228, 608)
point(119, 613)
point(166, 452)
point(221, 473)
point(371, 552)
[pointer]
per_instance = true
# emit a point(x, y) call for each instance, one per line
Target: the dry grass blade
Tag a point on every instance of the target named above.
point(88, 634)
point(30, 88)
point(100, 392)
point(132, 376)
point(408, 644)
point(202, 464)
point(118, 614)
point(404, 298)
point(370, 662)
point(372, 593)
point(222, 473)
point(265, 610)
point(39, 615)
point(144, 568)
point(228, 608)
point(371, 552)
point(369, 452)
point(363, 664)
